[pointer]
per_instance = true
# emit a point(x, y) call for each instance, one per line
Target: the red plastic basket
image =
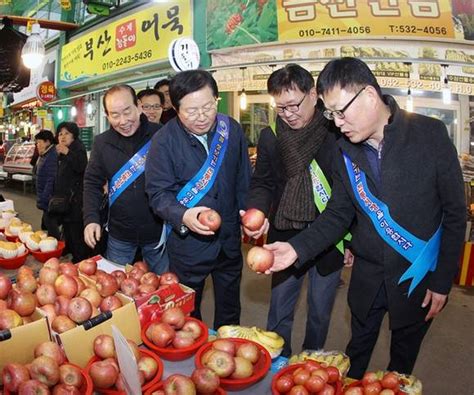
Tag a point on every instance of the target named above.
point(44, 256)
point(159, 386)
point(13, 263)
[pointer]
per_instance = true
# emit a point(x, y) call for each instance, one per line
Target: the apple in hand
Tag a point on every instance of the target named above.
point(253, 219)
point(259, 259)
point(210, 218)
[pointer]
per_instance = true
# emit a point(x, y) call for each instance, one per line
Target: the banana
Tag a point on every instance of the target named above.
point(271, 339)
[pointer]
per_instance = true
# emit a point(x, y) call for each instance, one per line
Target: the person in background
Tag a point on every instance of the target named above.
point(72, 162)
point(152, 104)
point(397, 178)
point(281, 188)
point(196, 143)
point(118, 157)
point(169, 112)
point(46, 169)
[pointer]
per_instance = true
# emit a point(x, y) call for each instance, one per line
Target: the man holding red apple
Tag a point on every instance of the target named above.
point(294, 160)
point(198, 162)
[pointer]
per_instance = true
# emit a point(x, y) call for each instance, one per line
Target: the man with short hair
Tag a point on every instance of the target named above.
point(397, 176)
point(282, 188)
point(118, 157)
point(169, 112)
point(199, 160)
point(152, 103)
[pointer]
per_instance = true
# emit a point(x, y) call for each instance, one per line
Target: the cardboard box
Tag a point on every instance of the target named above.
point(78, 342)
point(18, 344)
point(151, 307)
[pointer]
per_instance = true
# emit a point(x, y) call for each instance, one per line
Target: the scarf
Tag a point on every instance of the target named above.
point(298, 148)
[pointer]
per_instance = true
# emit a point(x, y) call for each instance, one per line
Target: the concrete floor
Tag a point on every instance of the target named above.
point(445, 364)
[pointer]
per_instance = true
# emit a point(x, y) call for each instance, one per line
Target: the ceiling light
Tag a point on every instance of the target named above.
point(32, 52)
point(73, 111)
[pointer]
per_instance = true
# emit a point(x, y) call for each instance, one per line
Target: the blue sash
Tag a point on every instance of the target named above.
point(423, 255)
point(128, 173)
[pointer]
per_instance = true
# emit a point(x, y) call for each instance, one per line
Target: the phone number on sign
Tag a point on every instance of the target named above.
point(331, 31)
point(127, 59)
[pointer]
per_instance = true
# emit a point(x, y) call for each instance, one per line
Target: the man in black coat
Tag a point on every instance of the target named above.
point(397, 174)
point(282, 188)
point(117, 158)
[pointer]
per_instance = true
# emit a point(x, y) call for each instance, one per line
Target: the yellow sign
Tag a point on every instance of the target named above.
point(65, 4)
point(42, 113)
point(329, 19)
point(132, 41)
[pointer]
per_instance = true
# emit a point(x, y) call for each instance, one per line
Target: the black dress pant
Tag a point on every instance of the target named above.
point(226, 275)
point(404, 346)
point(74, 239)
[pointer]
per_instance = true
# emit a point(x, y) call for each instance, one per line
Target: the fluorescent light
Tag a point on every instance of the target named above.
point(73, 111)
point(243, 100)
point(409, 103)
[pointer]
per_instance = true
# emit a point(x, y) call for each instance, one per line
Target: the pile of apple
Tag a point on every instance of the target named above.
point(173, 330)
point(105, 373)
point(231, 360)
point(18, 303)
point(136, 281)
point(48, 373)
point(373, 384)
point(202, 381)
point(311, 378)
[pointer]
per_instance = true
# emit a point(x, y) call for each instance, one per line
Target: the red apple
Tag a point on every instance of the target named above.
point(48, 275)
point(45, 369)
point(104, 346)
point(70, 375)
point(110, 303)
point(24, 271)
point(162, 334)
point(49, 311)
point(66, 285)
point(52, 350)
point(206, 380)
point(52, 263)
point(168, 278)
point(46, 294)
point(119, 276)
point(5, 286)
point(24, 303)
point(27, 284)
point(253, 219)
point(87, 266)
point(106, 285)
point(243, 368)
point(92, 295)
point(81, 286)
point(174, 317)
point(183, 339)
point(210, 218)
point(79, 310)
point(248, 351)
point(64, 389)
point(13, 375)
point(103, 374)
point(150, 278)
point(9, 319)
point(225, 345)
point(136, 273)
point(62, 304)
point(193, 327)
point(148, 366)
point(3, 304)
point(129, 286)
point(179, 385)
point(33, 387)
point(62, 323)
point(134, 349)
point(141, 265)
point(145, 289)
point(221, 362)
point(285, 383)
point(68, 268)
point(259, 259)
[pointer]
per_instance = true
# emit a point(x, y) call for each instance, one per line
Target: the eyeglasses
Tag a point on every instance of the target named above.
point(339, 114)
point(147, 107)
point(193, 113)
point(290, 107)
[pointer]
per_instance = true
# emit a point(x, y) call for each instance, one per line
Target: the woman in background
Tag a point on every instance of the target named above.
point(72, 162)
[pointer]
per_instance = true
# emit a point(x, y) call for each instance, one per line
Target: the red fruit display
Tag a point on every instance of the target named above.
point(13, 375)
point(179, 384)
point(52, 350)
point(221, 362)
point(248, 351)
point(205, 380)
point(211, 219)
point(66, 286)
point(45, 369)
point(62, 323)
point(148, 366)
point(168, 278)
point(174, 317)
point(227, 346)
point(106, 285)
point(9, 319)
point(52, 263)
point(193, 327)
point(92, 295)
point(48, 275)
point(141, 265)
point(103, 374)
point(259, 259)
point(23, 302)
point(253, 219)
point(46, 294)
point(162, 334)
point(35, 387)
point(87, 266)
point(110, 303)
point(68, 268)
point(104, 346)
point(70, 375)
point(5, 286)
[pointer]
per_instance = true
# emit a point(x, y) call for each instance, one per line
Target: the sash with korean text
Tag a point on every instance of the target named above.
point(423, 255)
point(202, 182)
point(128, 173)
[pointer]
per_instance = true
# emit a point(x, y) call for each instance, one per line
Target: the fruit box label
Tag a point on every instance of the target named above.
point(151, 307)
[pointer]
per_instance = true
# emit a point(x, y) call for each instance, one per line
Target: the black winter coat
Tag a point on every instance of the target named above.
point(130, 217)
point(69, 179)
point(421, 183)
point(46, 169)
point(268, 183)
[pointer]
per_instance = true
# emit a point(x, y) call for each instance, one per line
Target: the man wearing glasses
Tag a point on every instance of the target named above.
point(398, 179)
point(152, 104)
point(197, 161)
point(284, 186)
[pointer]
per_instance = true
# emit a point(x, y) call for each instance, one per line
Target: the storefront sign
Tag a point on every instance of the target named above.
point(183, 54)
point(231, 24)
point(46, 91)
point(65, 4)
point(132, 41)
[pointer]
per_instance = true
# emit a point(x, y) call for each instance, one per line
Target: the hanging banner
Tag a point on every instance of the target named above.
point(132, 41)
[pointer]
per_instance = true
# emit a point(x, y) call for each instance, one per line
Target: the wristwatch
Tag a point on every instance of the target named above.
point(183, 230)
